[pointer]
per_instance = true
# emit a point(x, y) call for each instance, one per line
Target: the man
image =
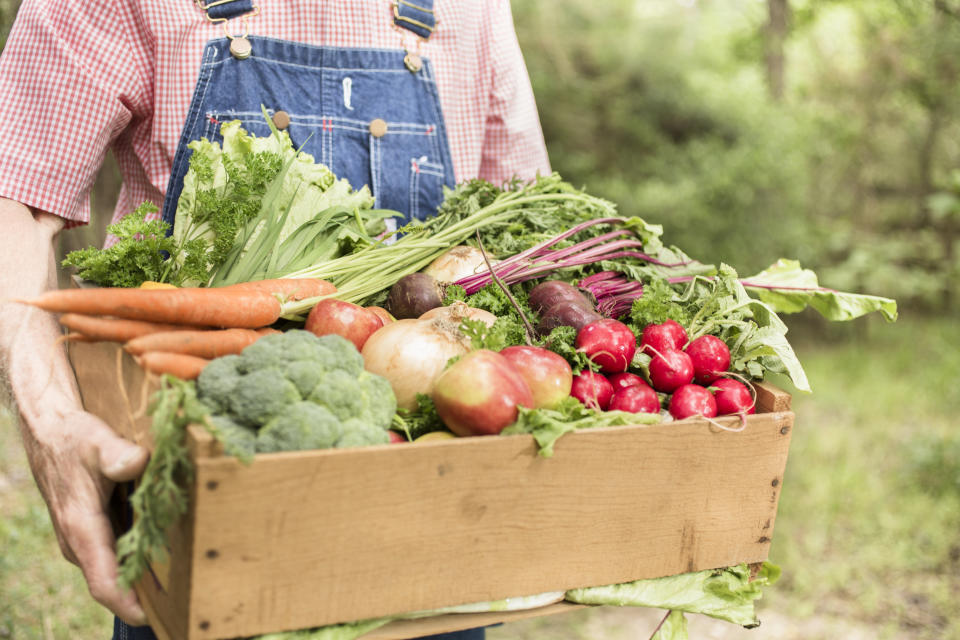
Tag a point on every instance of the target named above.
point(406, 97)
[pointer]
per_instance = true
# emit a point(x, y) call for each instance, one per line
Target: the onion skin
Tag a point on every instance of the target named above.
point(413, 295)
point(459, 310)
point(459, 262)
point(411, 354)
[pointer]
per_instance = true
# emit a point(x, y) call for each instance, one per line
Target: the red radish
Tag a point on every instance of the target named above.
point(692, 400)
point(479, 394)
point(710, 356)
point(345, 319)
point(609, 343)
point(395, 438)
point(732, 397)
point(592, 390)
point(660, 337)
point(670, 370)
point(639, 398)
point(623, 380)
point(547, 374)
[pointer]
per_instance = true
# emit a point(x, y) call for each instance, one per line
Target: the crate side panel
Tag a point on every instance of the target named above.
point(114, 388)
point(311, 538)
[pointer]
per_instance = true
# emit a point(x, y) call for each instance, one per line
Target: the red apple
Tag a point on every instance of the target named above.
point(345, 319)
point(547, 374)
point(395, 437)
point(384, 315)
point(479, 394)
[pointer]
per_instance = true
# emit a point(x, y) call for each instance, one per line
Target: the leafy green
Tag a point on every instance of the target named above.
point(256, 207)
point(787, 288)
point(161, 497)
point(345, 631)
point(548, 425)
point(416, 422)
point(727, 594)
point(673, 627)
point(135, 258)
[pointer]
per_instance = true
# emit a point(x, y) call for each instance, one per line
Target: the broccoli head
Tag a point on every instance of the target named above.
point(379, 401)
point(217, 381)
point(262, 394)
point(302, 425)
point(357, 433)
point(237, 439)
point(305, 375)
point(279, 349)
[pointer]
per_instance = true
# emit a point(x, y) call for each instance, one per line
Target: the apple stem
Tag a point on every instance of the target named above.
point(528, 328)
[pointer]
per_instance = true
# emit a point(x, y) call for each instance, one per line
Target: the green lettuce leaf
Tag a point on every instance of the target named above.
point(727, 594)
point(674, 627)
point(788, 288)
point(548, 425)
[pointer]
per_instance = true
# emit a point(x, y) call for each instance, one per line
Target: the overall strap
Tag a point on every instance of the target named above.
point(218, 10)
point(416, 16)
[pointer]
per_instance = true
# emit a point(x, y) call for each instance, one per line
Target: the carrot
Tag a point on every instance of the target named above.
point(180, 365)
point(289, 288)
point(96, 328)
point(203, 344)
point(190, 306)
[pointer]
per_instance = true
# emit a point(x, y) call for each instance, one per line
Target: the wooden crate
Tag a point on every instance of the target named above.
point(310, 538)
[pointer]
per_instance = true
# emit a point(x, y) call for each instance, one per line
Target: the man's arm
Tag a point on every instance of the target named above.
point(75, 457)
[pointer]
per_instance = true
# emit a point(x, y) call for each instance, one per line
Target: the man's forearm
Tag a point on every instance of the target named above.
point(34, 362)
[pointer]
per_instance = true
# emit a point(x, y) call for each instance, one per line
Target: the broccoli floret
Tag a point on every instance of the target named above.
point(217, 381)
point(379, 401)
point(357, 433)
point(340, 393)
point(305, 375)
point(260, 395)
point(279, 349)
point(237, 439)
point(303, 425)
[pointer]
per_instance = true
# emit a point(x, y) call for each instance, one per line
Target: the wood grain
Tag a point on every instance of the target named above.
point(309, 538)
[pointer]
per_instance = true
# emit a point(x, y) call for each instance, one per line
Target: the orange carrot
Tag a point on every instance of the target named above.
point(289, 288)
point(176, 364)
point(109, 329)
point(203, 344)
point(190, 306)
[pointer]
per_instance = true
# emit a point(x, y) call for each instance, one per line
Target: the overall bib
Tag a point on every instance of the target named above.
point(371, 116)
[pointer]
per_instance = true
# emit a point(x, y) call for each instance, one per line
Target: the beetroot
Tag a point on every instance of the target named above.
point(592, 390)
point(732, 397)
point(692, 400)
point(548, 294)
point(609, 343)
point(638, 398)
point(663, 336)
point(624, 380)
point(710, 356)
point(567, 313)
point(670, 370)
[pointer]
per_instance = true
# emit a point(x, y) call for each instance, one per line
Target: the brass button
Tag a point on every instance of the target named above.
point(413, 62)
point(378, 128)
point(240, 48)
point(281, 120)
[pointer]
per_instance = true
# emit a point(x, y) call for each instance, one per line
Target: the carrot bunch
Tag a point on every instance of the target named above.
point(178, 331)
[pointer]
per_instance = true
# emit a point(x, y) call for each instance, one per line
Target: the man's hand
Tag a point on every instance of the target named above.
point(75, 457)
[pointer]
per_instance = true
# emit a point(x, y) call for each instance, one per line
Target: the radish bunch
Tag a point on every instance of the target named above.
point(690, 372)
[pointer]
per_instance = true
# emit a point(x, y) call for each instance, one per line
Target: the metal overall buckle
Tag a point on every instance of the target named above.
point(240, 47)
point(421, 29)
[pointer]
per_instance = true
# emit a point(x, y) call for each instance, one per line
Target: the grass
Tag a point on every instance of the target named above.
point(868, 531)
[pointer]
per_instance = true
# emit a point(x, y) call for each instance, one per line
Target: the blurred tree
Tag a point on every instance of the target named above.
point(776, 36)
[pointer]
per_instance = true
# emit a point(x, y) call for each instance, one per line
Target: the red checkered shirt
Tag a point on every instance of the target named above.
point(80, 76)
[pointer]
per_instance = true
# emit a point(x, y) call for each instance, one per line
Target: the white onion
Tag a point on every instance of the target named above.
point(411, 353)
point(457, 263)
point(458, 311)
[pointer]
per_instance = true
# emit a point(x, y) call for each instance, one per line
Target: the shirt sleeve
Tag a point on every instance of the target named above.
point(73, 75)
point(513, 142)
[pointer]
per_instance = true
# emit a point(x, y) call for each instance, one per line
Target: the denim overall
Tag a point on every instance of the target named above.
point(371, 116)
